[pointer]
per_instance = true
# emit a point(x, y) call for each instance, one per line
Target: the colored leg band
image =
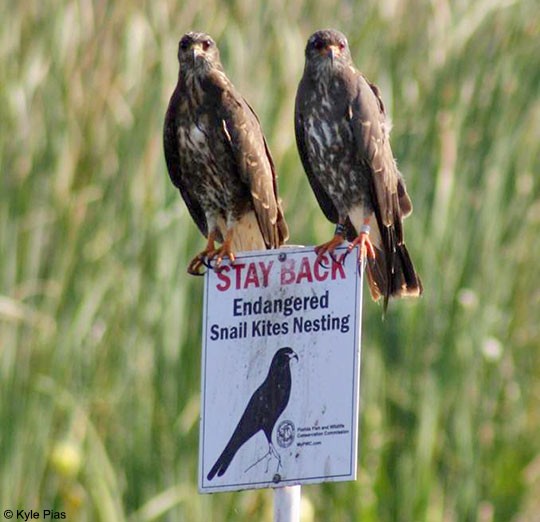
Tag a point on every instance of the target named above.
point(365, 229)
point(340, 229)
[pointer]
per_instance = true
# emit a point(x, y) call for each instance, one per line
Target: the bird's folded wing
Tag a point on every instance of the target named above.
point(255, 165)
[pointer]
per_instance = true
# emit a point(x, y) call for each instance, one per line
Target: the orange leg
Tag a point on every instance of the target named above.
point(201, 259)
point(225, 251)
point(366, 246)
point(330, 246)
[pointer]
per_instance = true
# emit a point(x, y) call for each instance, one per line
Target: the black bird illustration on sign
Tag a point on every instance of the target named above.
point(218, 158)
point(262, 412)
point(343, 138)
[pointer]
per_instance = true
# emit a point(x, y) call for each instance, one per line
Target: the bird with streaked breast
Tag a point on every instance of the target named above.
point(342, 136)
point(218, 158)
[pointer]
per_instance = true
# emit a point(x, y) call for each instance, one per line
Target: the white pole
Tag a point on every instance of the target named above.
point(287, 504)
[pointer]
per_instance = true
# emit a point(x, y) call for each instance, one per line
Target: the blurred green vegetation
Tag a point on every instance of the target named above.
point(99, 322)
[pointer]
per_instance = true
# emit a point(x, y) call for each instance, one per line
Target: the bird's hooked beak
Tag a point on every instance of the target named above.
point(293, 356)
point(331, 51)
point(196, 52)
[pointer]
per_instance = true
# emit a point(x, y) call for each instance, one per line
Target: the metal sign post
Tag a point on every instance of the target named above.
point(280, 373)
point(287, 504)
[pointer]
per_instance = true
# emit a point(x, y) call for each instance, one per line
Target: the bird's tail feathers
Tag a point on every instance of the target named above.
point(222, 463)
point(406, 282)
point(392, 274)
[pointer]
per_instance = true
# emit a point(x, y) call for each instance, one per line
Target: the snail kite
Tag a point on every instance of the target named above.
point(218, 158)
point(343, 140)
point(262, 411)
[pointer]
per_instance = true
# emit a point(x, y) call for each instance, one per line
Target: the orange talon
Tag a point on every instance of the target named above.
point(195, 265)
point(201, 259)
point(330, 246)
point(224, 251)
point(366, 246)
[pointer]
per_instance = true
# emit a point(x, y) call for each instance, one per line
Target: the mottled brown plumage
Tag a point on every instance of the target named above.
point(343, 140)
point(218, 158)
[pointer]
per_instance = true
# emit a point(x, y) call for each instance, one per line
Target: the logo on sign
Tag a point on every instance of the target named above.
point(285, 433)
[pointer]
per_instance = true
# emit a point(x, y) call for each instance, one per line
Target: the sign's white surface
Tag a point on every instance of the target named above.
point(281, 353)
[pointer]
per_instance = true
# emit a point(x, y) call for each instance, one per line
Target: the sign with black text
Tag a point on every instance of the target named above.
point(280, 370)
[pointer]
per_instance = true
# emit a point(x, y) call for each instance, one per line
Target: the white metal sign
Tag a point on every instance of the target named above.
point(280, 367)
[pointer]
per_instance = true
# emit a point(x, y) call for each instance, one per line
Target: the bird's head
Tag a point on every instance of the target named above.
point(284, 355)
point(197, 54)
point(327, 50)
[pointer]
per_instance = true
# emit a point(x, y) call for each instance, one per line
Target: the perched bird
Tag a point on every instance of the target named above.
point(218, 158)
point(262, 412)
point(343, 139)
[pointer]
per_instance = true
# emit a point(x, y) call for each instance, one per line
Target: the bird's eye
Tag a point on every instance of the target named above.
point(184, 44)
point(206, 44)
point(318, 44)
point(342, 45)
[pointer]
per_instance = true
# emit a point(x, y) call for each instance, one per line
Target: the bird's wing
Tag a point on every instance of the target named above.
point(172, 158)
point(405, 202)
point(282, 228)
point(368, 122)
point(243, 132)
point(322, 196)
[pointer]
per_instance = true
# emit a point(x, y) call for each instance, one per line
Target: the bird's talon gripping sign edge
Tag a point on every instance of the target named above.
point(194, 267)
point(367, 250)
point(207, 262)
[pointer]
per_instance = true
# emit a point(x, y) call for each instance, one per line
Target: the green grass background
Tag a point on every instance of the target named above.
point(100, 324)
